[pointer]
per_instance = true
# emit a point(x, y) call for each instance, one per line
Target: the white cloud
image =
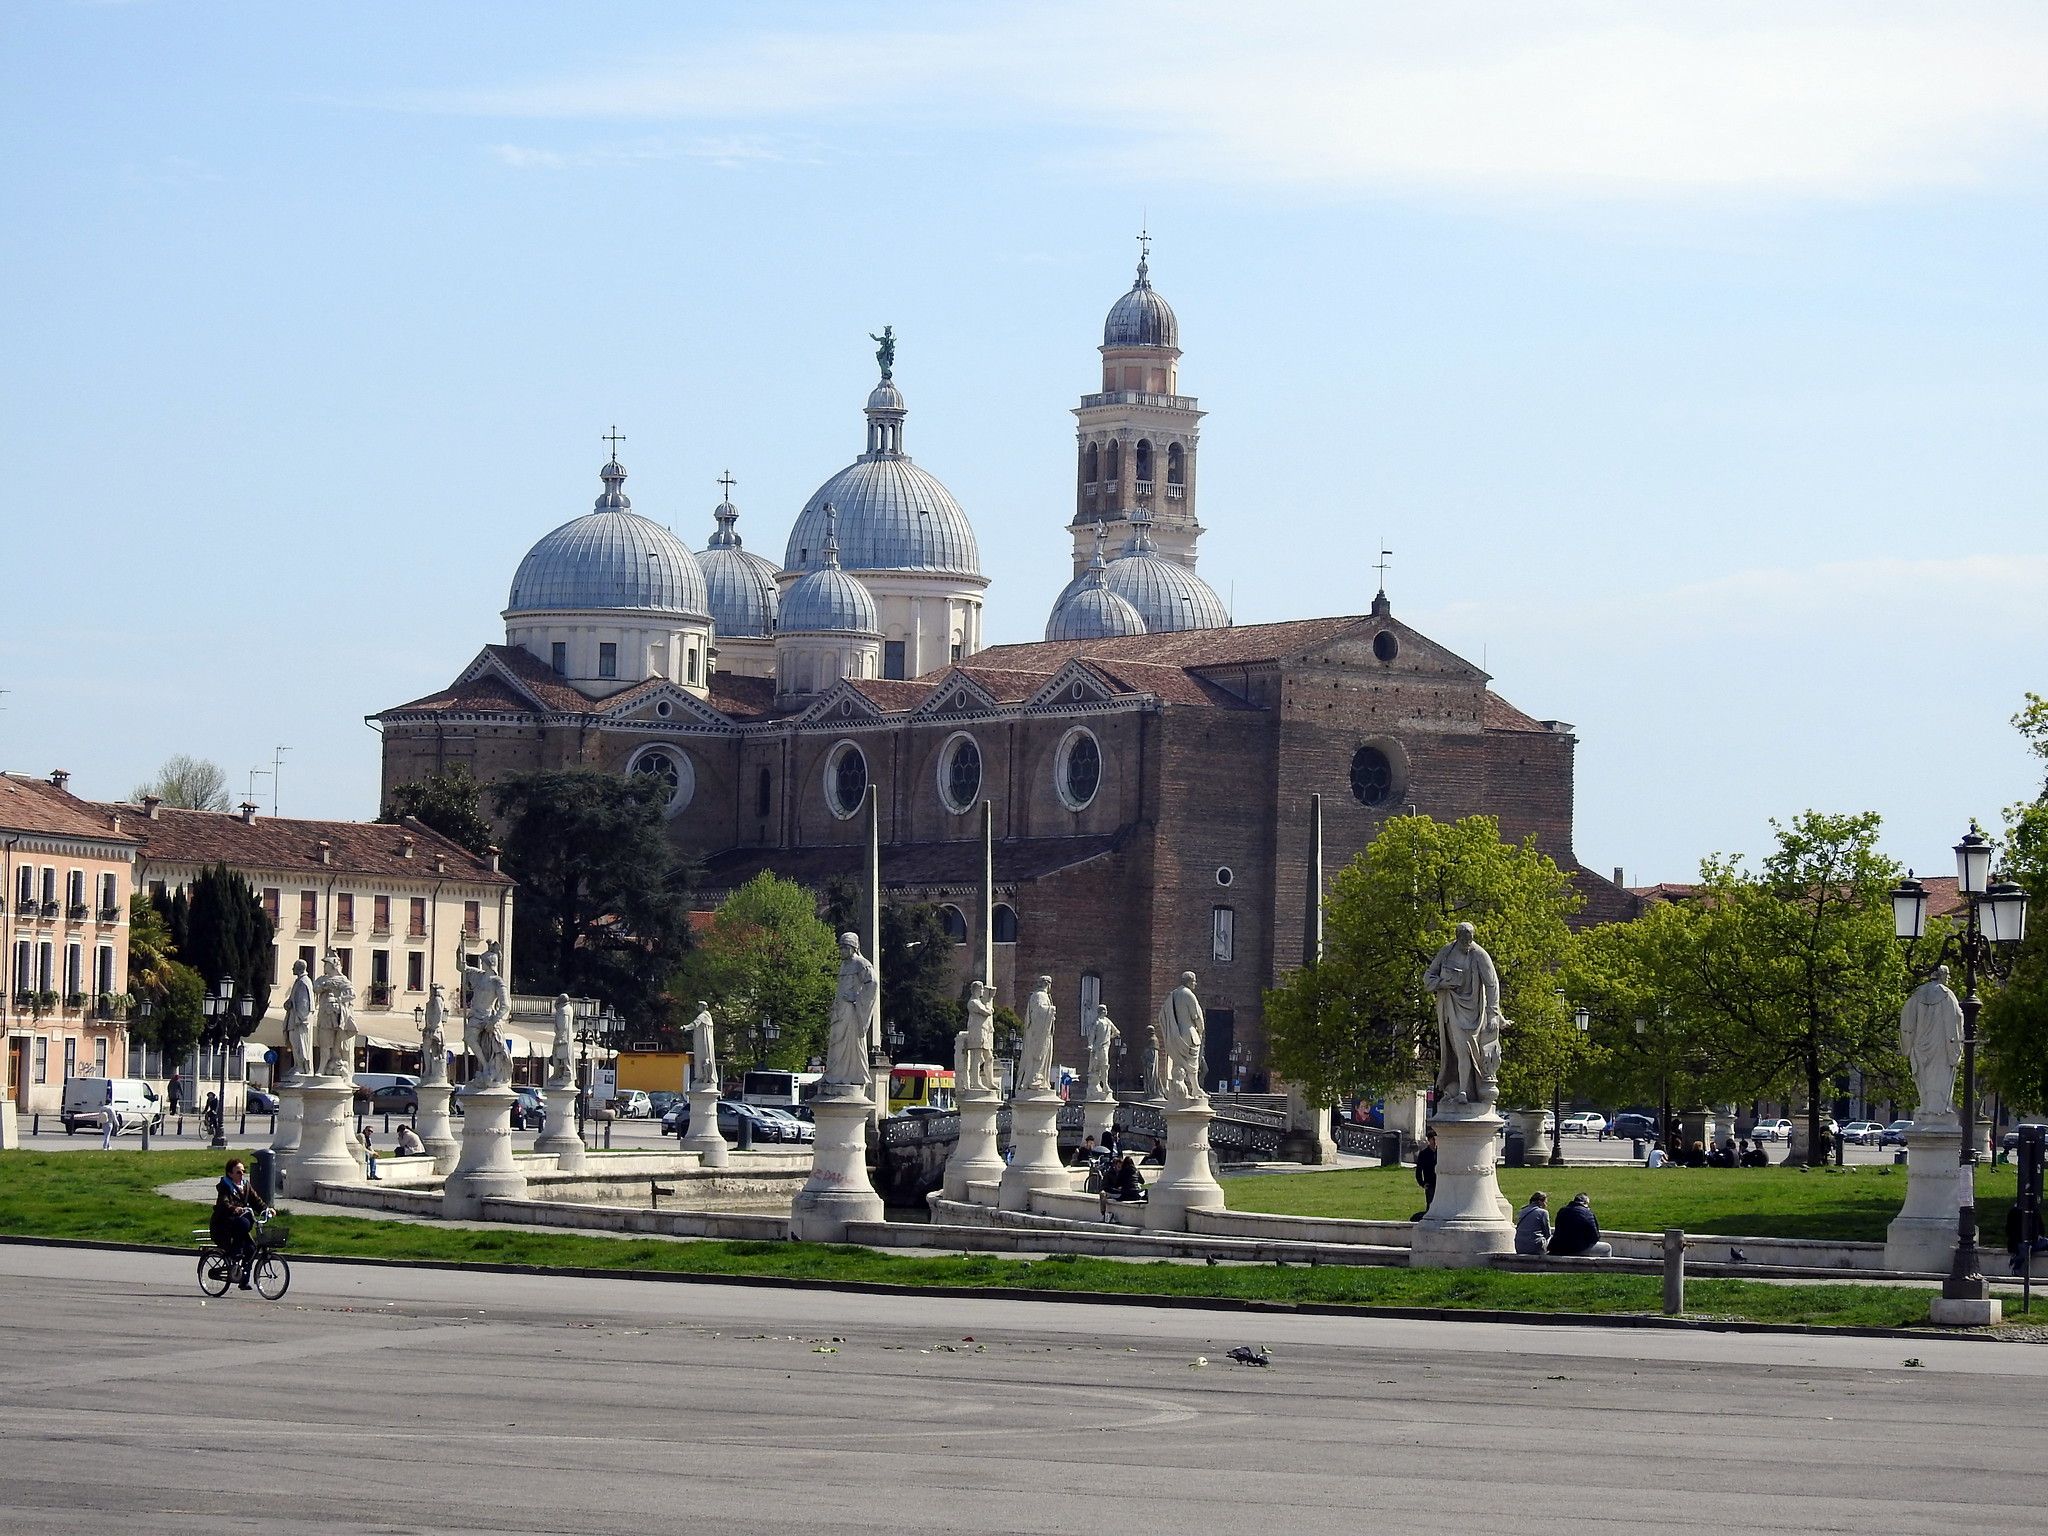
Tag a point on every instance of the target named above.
point(1581, 98)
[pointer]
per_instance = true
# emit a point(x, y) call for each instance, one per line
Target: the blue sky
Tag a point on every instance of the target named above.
point(1689, 359)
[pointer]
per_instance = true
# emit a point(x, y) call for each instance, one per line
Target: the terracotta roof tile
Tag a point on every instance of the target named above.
point(485, 695)
point(1006, 685)
point(542, 680)
point(289, 843)
point(38, 806)
point(1183, 648)
point(742, 698)
point(895, 695)
point(1497, 714)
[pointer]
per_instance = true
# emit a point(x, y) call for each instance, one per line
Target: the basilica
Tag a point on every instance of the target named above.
point(1150, 763)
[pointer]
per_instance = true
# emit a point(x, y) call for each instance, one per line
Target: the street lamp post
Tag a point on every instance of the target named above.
point(1582, 1021)
point(1997, 916)
point(1240, 1063)
point(221, 1009)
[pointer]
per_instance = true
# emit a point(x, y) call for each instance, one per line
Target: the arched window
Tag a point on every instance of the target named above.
point(1144, 459)
point(1176, 464)
point(764, 793)
point(1113, 461)
point(956, 924)
point(1091, 463)
point(1005, 923)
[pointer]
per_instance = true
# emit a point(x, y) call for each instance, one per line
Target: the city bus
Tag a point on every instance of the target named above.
point(914, 1085)
point(776, 1089)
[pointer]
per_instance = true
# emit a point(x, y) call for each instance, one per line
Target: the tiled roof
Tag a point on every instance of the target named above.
point(1171, 685)
point(742, 698)
point(1006, 685)
point(485, 695)
point(892, 694)
point(910, 865)
point(542, 680)
point(1240, 644)
point(37, 806)
point(1497, 714)
point(288, 843)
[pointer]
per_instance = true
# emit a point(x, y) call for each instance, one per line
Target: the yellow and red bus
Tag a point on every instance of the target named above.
point(915, 1085)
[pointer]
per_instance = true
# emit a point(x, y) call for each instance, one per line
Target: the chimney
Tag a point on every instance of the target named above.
point(150, 805)
point(60, 777)
point(440, 863)
point(115, 817)
point(248, 810)
point(326, 851)
point(406, 845)
point(1617, 876)
point(492, 851)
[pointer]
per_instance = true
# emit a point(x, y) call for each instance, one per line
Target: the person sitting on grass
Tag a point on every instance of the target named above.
point(1756, 1156)
point(1578, 1231)
point(1655, 1158)
point(1532, 1226)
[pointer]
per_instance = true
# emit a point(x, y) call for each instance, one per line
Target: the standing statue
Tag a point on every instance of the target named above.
point(854, 1008)
point(1468, 1020)
point(1102, 1035)
point(1034, 1066)
point(1153, 1088)
point(885, 350)
point(434, 1038)
point(562, 1056)
point(1181, 1027)
point(978, 1070)
point(335, 1020)
point(703, 1049)
point(482, 1034)
point(298, 1022)
point(1931, 1035)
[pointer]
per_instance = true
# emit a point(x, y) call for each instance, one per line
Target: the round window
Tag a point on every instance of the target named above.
point(1386, 645)
point(664, 709)
point(1078, 773)
point(1372, 776)
point(846, 779)
point(960, 773)
point(670, 771)
point(1223, 874)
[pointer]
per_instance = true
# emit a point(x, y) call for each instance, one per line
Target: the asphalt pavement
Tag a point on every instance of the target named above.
point(395, 1400)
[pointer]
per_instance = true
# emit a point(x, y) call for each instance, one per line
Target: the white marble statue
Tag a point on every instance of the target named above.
point(1466, 987)
point(434, 1037)
point(482, 1033)
point(562, 1054)
point(978, 1069)
point(334, 1014)
point(1034, 1066)
point(1153, 1088)
point(703, 1049)
point(1181, 1027)
point(854, 1008)
point(298, 1022)
point(1931, 1035)
point(1102, 1035)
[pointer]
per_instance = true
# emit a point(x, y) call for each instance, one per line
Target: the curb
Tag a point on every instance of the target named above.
point(1086, 1298)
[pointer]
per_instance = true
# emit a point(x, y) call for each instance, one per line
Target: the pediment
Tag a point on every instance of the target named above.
point(841, 704)
point(664, 705)
point(1384, 644)
point(958, 695)
point(1076, 683)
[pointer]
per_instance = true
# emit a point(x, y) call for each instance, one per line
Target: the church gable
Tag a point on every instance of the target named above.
point(1077, 685)
point(660, 703)
point(957, 695)
point(842, 704)
point(1383, 645)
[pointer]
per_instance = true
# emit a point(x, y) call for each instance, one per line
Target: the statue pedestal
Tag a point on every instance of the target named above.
point(704, 1139)
point(1468, 1220)
point(838, 1190)
point(484, 1170)
point(1922, 1237)
point(1034, 1151)
point(289, 1108)
point(436, 1133)
point(560, 1139)
point(976, 1159)
point(323, 1155)
point(1098, 1113)
point(1186, 1183)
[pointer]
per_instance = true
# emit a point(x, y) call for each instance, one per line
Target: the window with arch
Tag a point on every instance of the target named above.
point(1091, 463)
point(670, 770)
point(764, 793)
point(1144, 459)
point(1077, 769)
point(1113, 461)
point(960, 773)
point(1091, 994)
point(1005, 926)
point(846, 779)
point(1176, 464)
point(955, 923)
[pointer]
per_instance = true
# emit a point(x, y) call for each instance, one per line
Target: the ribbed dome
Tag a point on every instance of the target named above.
point(828, 600)
point(1167, 595)
point(893, 516)
point(1088, 610)
point(1141, 318)
point(738, 584)
point(611, 557)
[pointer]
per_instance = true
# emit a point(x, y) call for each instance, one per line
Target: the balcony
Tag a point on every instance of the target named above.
point(74, 1002)
point(109, 1006)
point(380, 930)
point(378, 994)
point(1140, 397)
point(77, 911)
point(110, 914)
point(46, 910)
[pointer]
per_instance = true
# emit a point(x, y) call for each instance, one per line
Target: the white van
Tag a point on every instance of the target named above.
point(371, 1082)
point(89, 1100)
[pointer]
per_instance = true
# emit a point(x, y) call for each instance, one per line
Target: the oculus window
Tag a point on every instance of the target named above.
point(670, 771)
point(846, 779)
point(1372, 777)
point(960, 774)
point(1077, 771)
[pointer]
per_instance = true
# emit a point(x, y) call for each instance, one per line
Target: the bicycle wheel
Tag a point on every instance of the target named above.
point(213, 1272)
point(273, 1276)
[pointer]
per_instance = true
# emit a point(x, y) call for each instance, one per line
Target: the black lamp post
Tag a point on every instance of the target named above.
point(1582, 1021)
point(1997, 916)
point(222, 1008)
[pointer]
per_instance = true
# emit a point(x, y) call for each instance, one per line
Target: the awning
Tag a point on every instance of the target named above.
point(377, 1029)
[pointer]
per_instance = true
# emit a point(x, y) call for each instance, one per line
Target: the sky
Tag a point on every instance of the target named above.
point(1688, 359)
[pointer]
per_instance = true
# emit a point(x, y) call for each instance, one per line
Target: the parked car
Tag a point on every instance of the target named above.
point(1863, 1133)
point(1585, 1122)
point(261, 1103)
point(91, 1101)
point(768, 1124)
point(396, 1099)
point(529, 1110)
point(632, 1104)
point(792, 1129)
point(1771, 1130)
point(660, 1102)
point(1631, 1125)
point(675, 1120)
point(2010, 1141)
point(1896, 1133)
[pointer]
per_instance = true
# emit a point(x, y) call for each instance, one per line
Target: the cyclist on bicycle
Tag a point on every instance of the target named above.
point(236, 1208)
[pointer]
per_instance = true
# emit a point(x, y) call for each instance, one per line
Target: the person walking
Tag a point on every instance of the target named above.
point(1425, 1172)
point(176, 1090)
point(1532, 1225)
point(1578, 1231)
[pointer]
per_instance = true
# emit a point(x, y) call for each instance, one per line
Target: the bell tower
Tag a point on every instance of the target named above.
point(1137, 438)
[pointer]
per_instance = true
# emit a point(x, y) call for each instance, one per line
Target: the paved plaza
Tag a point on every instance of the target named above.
point(374, 1400)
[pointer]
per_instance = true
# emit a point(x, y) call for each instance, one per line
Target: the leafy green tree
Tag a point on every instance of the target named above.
point(765, 956)
point(2015, 1019)
point(173, 991)
point(1359, 1022)
point(228, 934)
point(187, 783)
point(920, 995)
point(603, 905)
point(451, 802)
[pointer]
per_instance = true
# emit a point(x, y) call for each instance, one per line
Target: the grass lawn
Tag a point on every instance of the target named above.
point(111, 1196)
point(1852, 1204)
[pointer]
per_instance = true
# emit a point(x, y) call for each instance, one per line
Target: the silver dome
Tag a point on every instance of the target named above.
point(1141, 318)
point(1167, 595)
point(739, 585)
point(1088, 610)
point(611, 557)
point(893, 516)
point(828, 600)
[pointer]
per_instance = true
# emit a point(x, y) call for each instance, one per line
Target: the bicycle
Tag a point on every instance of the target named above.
point(269, 1271)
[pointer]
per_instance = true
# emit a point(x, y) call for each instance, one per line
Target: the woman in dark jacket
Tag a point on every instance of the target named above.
point(1126, 1183)
point(236, 1206)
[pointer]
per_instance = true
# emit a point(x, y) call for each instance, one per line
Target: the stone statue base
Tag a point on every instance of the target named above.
point(1922, 1237)
point(704, 1139)
point(484, 1170)
point(976, 1159)
point(289, 1108)
point(560, 1139)
point(1186, 1183)
point(436, 1132)
point(327, 1151)
point(1098, 1113)
point(838, 1190)
point(1468, 1220)
point(1034, 1151)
